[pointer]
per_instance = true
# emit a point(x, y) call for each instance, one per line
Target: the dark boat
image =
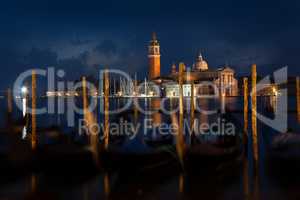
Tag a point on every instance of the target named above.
point(59, 153)
point(212, 152)
point(144, 151)
point(159, 140)
point(138, 161)
point(283, 157)
point(66, 159)
point(16, 158)
point(139, 154)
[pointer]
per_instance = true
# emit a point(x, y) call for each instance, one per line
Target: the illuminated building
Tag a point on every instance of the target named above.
point(154, 58)
point(207, 80)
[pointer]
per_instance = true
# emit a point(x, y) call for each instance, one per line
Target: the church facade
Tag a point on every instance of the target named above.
point(206, 81)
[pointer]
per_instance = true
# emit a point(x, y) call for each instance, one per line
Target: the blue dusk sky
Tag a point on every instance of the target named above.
point(82, 37)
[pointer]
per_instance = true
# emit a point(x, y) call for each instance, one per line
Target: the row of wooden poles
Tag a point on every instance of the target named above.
point(91, 119)
point(180, 145)
point(88, 115)
point(246, 104)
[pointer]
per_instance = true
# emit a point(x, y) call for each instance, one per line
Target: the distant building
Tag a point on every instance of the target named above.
point(154, 58)
point(206, 80)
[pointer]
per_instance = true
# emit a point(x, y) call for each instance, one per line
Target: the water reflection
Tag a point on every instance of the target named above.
point(245, 177)
point(247, 184)
point(181, 183)
point(24, 106)
point(156, 116)
point(203, 115)
point(24, 114)
point(135, 111)
point(33, 184)
point(90, 121)
point(106, 183)
point(179, 137)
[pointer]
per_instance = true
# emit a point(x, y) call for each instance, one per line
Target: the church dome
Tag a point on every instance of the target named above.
point(201, 64)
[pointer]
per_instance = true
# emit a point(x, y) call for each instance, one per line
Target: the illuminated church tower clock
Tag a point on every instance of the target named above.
point(154, 58)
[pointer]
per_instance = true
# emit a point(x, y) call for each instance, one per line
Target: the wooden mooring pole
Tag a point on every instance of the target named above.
point(246, 104)
point(180, 80)
point(254, 132)
point(106, 108)
point(245, 141)
point(33, 112)
point(9, 108)
point(85, 100)
point(253, 113)
point(192, 106)
point(9, 101)
point(298, 97)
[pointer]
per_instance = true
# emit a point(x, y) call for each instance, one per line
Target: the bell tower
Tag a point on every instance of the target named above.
point(154, 58)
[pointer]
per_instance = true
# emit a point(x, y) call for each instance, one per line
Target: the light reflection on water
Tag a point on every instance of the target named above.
point(116, 185)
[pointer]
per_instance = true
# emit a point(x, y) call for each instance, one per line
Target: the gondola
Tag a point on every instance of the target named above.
point(114, 159)
point(210, 152)
point(283, 157)
point(16, 158)
point(65, 159)
point(144, 152)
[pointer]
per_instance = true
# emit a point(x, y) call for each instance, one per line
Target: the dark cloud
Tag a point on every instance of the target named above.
point(109, 54)
point(76, 41)
point(107, 48)
point(106, 54)
point(83, 36)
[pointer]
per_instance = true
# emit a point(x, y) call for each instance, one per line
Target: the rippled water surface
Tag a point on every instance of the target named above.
point(240, 180)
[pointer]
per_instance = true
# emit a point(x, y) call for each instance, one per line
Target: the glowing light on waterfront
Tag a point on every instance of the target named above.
point(24, 132)
point(119, 94)
point(275, 92)
point(24, 90)
point(24, 103)
point(151, 93)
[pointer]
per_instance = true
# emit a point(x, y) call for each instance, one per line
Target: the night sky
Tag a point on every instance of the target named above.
point(84, 36)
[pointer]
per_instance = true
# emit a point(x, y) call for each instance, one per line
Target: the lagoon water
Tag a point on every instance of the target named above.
point(242, 183)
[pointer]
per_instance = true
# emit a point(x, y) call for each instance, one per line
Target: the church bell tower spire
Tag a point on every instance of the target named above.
point(154, 57)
